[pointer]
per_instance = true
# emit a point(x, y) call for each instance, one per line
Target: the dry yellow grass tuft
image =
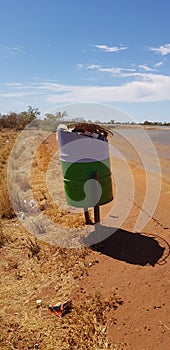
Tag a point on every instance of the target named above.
point(6, 210)
point(7, 139)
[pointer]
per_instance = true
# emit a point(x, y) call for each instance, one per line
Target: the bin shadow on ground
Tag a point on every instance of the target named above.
point(134, 248)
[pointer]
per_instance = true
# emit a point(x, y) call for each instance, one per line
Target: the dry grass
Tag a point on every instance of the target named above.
point(31, 269)
point(7, 140)
point(6, 210)
point(3, 238)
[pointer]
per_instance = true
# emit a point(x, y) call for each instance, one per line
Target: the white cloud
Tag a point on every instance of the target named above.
point(113, 70)
point(19, 94)
point(110, 48)
point(153, 87)
point(9, 51)
point(14, 84)
point(158, 64)
point(146, 68)
point(163, 49)
point(123, 72)
point(145, 87)
point(53, 87)
point(93, 66)
point(79, 65)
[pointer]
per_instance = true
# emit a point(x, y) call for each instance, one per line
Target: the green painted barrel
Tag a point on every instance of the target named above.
point(86, 170)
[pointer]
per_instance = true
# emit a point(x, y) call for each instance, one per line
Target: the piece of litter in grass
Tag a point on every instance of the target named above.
point(60, 309)
point(38, 302)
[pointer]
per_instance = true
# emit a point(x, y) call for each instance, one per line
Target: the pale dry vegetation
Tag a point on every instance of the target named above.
point(31, 269)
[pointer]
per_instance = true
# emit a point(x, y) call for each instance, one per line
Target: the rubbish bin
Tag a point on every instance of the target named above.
point(85, 158)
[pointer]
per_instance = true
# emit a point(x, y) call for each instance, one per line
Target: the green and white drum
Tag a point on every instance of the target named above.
point(86, 171)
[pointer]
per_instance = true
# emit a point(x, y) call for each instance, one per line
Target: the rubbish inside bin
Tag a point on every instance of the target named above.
point(92, 130)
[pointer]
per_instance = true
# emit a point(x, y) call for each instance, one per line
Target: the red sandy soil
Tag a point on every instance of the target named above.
point(143, 321)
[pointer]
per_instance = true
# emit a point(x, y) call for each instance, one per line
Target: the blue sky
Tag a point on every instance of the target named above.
point(59, 52)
